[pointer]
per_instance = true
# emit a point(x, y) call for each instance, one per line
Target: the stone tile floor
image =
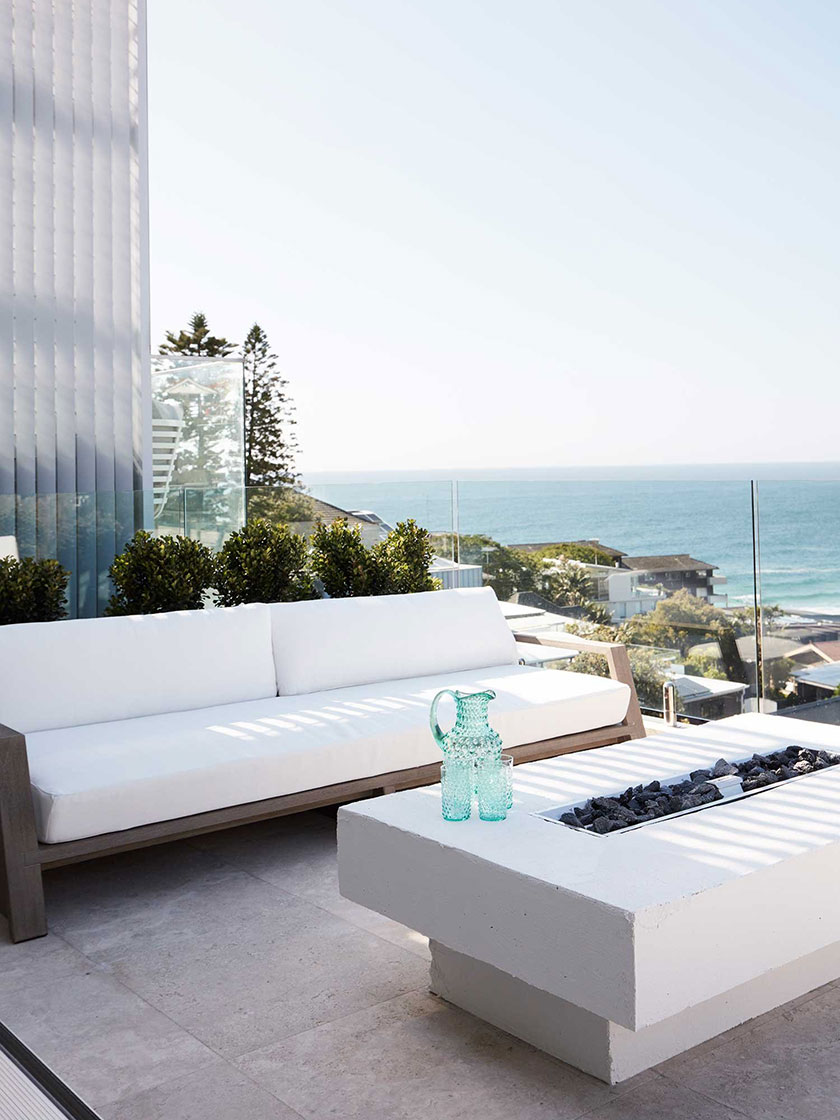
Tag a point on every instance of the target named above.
point(226, 979)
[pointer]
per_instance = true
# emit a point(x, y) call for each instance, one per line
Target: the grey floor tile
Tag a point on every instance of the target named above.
point(659, 1099)
point(107, 903)
point(33, 962)
point(239, 962)
point(672, 1066)
point(417, 1057)
point(218, 1092)
point(302, 861)
point(102, 1039)
point(784, 1067)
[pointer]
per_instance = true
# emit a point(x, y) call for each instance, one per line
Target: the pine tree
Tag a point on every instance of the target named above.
point(270, 442)
point(204, 454)
point(197, 341)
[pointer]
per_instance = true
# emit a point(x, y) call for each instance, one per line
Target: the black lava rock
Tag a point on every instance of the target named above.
point(641, 803)
point(722, 768)
point(700, 775)
point(603, 825)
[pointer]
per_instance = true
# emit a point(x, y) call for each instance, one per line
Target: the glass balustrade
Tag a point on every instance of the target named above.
point(677, 571)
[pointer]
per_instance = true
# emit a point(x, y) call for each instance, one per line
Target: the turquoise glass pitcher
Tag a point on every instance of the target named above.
point(471, 739)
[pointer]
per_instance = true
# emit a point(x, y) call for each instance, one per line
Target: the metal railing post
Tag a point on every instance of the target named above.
point(669, 703)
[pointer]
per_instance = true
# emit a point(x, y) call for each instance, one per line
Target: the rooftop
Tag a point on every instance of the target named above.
point(823, 676)
point(616, 553)
point(699, 688)
point(225, 978)
point(669, 562)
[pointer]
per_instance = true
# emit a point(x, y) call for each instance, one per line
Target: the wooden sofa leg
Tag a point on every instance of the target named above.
point(23, 901)
point(21, 889)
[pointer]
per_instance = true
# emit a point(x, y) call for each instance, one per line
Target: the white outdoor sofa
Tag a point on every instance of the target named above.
point(116, 733)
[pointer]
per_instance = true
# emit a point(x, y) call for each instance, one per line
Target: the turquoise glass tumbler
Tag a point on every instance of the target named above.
point(507, 766)
point(492, 787)
point(456, 789)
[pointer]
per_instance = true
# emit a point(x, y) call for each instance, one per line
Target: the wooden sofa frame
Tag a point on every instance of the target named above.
point(23, 857)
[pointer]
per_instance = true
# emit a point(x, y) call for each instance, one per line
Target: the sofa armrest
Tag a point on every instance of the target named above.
point(17, 815)
point(21, 895)
point(618, 663)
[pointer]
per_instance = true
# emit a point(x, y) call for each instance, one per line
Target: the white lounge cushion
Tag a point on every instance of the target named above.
point(337, 643)
point(112, 776)
point(92, 670)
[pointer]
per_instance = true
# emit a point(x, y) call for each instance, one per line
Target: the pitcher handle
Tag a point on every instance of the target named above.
point(433, 721)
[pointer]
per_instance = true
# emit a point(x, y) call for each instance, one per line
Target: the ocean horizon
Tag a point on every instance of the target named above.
point(663, 510)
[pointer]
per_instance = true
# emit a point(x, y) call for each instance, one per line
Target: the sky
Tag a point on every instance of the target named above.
point(510, 235)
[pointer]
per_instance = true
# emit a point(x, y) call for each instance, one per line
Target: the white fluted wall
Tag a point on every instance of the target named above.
point(75, 411)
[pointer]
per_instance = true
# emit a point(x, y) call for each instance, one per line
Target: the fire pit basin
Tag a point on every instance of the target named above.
point(667, 798)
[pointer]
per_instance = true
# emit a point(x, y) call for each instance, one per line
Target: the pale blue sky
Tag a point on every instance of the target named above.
point(495, 234)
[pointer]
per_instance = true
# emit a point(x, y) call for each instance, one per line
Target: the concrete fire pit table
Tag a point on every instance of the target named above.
point(616, 952)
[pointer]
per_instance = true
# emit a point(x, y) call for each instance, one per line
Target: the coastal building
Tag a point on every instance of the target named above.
point(773, 648)
point(678, 572)
point(708, 697)
point(614, 553)
point(452, 574)
point(817, 682)
point(623, 593)
point(75, 403)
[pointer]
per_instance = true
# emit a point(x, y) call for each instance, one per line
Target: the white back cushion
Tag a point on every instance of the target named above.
point(336, 643)
point(90, 670)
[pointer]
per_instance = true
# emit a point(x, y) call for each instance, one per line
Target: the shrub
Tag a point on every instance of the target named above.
point(401, 562)
point(340, 560)
point(397, 565)
point(263, 563)
point(155, 574)
point(32, 590)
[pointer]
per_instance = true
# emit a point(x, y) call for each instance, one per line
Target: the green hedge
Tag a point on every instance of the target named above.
point(397, 565)
point(155, 574)
point(32, 590)
point(263, 563)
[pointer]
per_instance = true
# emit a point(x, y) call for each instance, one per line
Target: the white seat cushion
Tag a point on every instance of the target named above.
point(92, 670)
point(113, 776)
point(337, 643)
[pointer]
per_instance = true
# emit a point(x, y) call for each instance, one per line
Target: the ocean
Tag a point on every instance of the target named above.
point(710, 518)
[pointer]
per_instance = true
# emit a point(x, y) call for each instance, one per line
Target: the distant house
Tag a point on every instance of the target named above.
point(709, 698)
point(773, 648)
point(452, 574)
point(817, 682)
point(614, 553)
point(815, 633)
point(678, 572)
point(371, 526)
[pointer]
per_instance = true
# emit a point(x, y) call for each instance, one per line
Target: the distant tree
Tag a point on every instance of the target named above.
point(679, 622)
point(569, 585)
point(270, 443)
point(597, 613)
point(506, 570)
point(573, 550)
point(647, 665)
point(705, 665)
point(197, 342)
point(742, 619)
